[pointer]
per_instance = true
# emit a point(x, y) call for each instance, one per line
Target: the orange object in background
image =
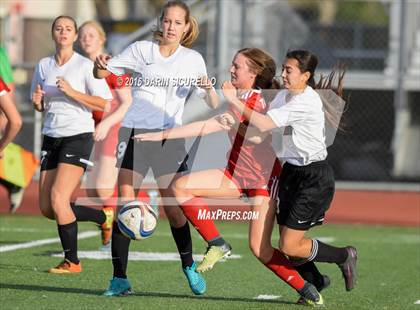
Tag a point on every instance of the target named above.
point(18, 165)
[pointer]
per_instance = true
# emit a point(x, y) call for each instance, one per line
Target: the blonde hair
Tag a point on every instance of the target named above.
point(97, 26)
point(191, 35)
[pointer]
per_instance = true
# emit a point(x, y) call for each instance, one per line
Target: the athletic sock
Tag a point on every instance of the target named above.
point(322, 252)
point(282, 267)
point(205, 227)
point(68, 238)
point(182, 237)
point(119, 248)
point(310, 273)
point(85, 214)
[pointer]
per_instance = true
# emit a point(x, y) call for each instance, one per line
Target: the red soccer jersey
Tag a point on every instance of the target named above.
point(3, 88)
point(114, 82)
point(249, 163)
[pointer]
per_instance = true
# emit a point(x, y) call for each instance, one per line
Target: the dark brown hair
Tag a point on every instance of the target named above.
point(193, 31)
point(66, 17)
point(307, 62)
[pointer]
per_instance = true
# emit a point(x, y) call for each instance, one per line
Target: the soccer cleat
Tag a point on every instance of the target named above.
point(326, 283)
point(118, 287)
point(213, 255)
point(310, 296)
point(66, 266)
point(15, 197)
point(348, 268)
point(195, 280)
point(106, 227)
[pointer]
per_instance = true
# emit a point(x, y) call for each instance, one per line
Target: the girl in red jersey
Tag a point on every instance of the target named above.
point(251, 164)
point(102, 179)
point(14, 120)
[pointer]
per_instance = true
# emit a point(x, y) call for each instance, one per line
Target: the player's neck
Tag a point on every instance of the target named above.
point(63, 55)
point(166, 50)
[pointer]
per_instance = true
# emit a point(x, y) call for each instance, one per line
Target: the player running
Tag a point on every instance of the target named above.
point(64, 88)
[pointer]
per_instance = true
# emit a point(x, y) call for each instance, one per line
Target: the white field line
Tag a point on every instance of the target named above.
point(31, 244)
point(267, 297)
point(139, 256)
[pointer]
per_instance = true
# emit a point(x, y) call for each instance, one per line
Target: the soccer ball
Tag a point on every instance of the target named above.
point(137, 220)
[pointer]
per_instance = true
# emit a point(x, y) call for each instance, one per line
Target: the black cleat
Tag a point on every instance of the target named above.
point(310, 296)
point(326, 283)
point(348, 268)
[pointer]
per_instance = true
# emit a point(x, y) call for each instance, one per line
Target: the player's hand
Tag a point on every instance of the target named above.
point(226, 120)
point(64, 86)
point(205, 83)
point(229, 91)
point(102, 61)
point(37, 98)
point(101, 131)
point(150, 136)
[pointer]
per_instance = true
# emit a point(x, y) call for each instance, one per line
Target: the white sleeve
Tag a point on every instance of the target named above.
point(96, 87)
point(36, 79)
point(201, 71)
point(126, 62)
point(286, 114)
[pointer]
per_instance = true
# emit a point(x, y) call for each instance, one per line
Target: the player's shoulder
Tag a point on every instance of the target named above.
point(46, 61)
point(192, 54)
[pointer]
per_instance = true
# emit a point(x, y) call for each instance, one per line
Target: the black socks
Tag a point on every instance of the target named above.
point(182, 237)
point(119, 248)
point(322, 252)
point(86, 214)
point(68, 237)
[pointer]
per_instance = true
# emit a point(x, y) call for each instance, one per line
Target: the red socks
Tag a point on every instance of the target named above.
point(205, 226)
point(281, 266)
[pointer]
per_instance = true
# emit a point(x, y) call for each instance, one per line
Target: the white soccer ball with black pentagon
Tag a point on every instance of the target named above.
point(137, 220)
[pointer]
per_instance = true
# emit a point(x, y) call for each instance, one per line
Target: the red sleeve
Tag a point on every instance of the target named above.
point(256, 102)
point(116, 82)
point(3, 87)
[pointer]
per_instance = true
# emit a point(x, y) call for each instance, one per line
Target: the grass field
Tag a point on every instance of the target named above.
point(389, 272)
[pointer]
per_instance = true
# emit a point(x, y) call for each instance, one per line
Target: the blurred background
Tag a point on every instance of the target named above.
point(379, 41)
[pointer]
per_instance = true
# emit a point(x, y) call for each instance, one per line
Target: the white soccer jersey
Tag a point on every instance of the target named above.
point(304, 119)
point(63, 116)
point(159, 85)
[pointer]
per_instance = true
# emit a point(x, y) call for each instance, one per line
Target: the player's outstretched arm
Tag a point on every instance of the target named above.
point(200, 128)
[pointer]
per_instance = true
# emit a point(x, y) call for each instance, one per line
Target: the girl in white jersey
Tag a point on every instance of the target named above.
point(306, 181)
point(163, 74)
point(64, 88)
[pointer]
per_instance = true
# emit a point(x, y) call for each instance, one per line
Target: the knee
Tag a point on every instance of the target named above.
point(58, 198)
point(179, 187)
point(288, 248)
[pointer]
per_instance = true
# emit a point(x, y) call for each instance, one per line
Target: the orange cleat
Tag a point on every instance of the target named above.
point(66, 266)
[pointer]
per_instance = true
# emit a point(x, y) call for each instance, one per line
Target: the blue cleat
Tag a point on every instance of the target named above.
point(118, 287)
point(195, 280)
